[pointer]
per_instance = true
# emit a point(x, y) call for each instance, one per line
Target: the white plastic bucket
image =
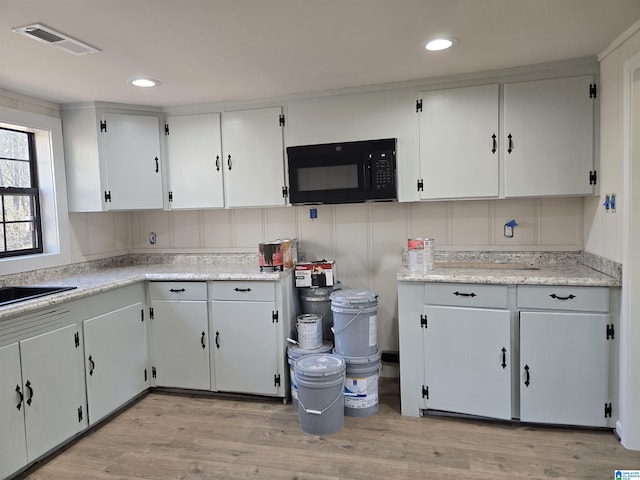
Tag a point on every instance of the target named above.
point(320, 380)
point(293, 353)
point(361, 385)
point(309, 328)
point(355, 322)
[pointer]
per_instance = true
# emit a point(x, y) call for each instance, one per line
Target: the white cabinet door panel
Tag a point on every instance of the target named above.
point(115, 359)
point(13, 447)
point(245, 346)
point(52, 368)
point(194, 154)
point(551, 147)
point(459, 142)
point(253, 150)
point(132, 150)
point(180, 333)
point(564, 360)
point(467, 361)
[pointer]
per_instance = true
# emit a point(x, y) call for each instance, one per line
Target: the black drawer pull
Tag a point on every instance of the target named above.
point(242, 289)
point(217, 163)
point(460, 294)
point(202, 340)
point(527, 380)
point(504, 358)
point(217, 340)
point(177, 290)
point(568, 297)
point(92, 365)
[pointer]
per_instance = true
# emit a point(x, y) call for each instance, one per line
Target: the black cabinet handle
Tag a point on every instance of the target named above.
point(510, 149)
point(504, 358)
point(20, 402)
point(177, 290)
point(218, 163)
point(568, 297)
point(495, 143)
point(217, 337)
point(28, 385)
point(92, 365)
point(202, 340)
point(229, 161)
point(242, 289)
point(460, 294)
point(157, 165)
point(528, 378)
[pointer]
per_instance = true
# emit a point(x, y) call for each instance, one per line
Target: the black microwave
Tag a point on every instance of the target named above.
point(346, 172)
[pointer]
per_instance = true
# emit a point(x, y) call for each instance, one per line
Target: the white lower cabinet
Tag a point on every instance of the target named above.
point(180, 335)
point(13, 454)
point(467, 358)
point(534, 353)
point(116, 353)
point(247, 321)
point(564, 368)
point(53, 388)
point(41, 397)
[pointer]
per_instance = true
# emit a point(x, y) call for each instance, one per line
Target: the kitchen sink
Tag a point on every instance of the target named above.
point(19, 294)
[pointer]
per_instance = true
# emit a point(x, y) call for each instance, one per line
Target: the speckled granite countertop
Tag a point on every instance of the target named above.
point(100, 280)
point(519, 268)
point(557, 274)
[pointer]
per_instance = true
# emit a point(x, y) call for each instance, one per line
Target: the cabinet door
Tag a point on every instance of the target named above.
point(467, 361)
point(253, 157)
point(131, 150)
point(115, 359)
point(180, 333)
point(245, 347)
point(53, 389)
point(458, 143)
point(564, 364)
point(194, 155)
point(550, 151)
point(13, 454)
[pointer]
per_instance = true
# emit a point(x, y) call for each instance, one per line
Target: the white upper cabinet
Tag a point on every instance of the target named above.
point(194, 156)
point(459, 155)
point(548, 137)
point(253, 157)
point(113, 159)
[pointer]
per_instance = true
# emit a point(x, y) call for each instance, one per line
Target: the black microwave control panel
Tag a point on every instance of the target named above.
point(383, 171)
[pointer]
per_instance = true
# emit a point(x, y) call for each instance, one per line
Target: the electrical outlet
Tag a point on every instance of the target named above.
point(152, 238)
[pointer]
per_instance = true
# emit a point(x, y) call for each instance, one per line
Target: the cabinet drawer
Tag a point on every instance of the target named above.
point(588, 299)
point(252, 291)
point(178, 290)
point(466, 295)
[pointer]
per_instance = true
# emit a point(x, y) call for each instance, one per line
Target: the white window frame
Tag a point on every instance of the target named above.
point(53, 191)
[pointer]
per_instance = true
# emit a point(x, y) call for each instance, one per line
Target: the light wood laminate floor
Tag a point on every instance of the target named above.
point(187, 438)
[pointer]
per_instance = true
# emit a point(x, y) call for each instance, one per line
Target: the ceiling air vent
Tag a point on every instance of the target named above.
point(44, 34)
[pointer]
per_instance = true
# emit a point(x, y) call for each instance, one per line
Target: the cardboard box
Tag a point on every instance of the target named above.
point(315, 274)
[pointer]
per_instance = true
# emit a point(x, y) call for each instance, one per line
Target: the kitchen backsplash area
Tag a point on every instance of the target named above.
point(366, 240)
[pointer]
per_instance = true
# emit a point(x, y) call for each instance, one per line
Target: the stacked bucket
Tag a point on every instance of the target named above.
point(356, 341)
point(328, 386)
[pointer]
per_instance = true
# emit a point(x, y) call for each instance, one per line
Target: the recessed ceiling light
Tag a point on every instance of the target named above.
point(144, 82)
point(440, 44)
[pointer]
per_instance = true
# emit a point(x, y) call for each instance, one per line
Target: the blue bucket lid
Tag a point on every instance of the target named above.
point(321, 365)
point(354, 297)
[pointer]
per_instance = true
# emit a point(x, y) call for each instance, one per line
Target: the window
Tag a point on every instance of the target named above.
point(20, 227)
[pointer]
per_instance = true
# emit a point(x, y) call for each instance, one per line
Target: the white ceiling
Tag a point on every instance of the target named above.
point(223, 50)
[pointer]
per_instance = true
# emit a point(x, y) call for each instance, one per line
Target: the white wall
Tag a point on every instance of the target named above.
point(613, 236)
